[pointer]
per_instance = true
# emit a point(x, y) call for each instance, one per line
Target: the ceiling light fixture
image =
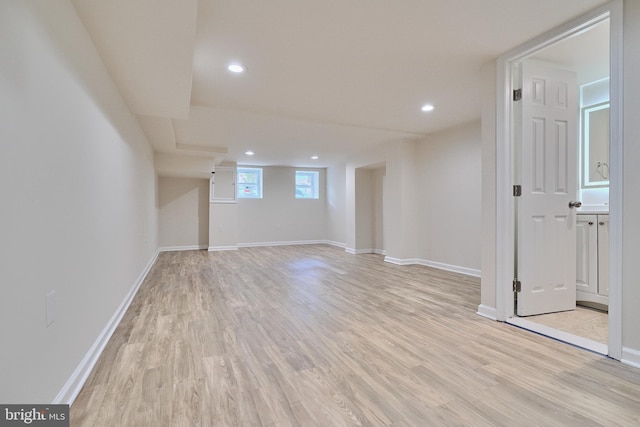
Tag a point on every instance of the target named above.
point(249, 153)
point(428, 107)
point(236, 68)
point(314, 157)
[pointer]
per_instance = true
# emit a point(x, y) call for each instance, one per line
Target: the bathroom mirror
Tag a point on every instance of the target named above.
point(595, 145)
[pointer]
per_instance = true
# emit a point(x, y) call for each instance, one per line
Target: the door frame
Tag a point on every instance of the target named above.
point(505, 173)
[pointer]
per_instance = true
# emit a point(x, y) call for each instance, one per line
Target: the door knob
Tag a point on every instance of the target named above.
point(573, 204)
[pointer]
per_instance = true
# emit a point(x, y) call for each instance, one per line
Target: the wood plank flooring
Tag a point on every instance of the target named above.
point(313, 336)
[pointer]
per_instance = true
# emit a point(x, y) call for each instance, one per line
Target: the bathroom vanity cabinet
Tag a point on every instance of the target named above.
point(592, 275)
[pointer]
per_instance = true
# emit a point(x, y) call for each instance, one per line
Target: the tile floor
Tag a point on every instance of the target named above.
point(583, 321)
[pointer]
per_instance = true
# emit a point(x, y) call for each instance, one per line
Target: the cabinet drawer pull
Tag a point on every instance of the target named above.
point(590, 222)
point(601, 223)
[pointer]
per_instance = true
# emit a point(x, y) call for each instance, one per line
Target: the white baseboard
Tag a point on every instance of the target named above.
point(182, 248)
point(337, 244)
point(364, 251)
point(282, 243)
point(434, 264)
point(79, 376)
point(222, 248)
point(631, 357)
point(266, 244)
point(488, 312)
point(400, 261)
point(453, 268)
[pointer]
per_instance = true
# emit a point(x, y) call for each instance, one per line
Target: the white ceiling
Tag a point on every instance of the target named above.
point(326, 78)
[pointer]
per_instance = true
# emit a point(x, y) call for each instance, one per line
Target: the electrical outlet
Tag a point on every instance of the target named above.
point(51, 307)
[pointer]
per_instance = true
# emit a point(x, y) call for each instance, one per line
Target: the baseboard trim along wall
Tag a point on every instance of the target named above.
point(183, 248)
point(364, 251)
point(359, 251)
point(336, 244)
point(400, 261)
point(74, 384)
point(434, 264)
point(630, 357)
point(282, 243)
point(222, 248)
point(488, 312)
point(448, 267)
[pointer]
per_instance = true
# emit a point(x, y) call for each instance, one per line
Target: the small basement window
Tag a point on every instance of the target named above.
point(307, 184)
point(249, 183)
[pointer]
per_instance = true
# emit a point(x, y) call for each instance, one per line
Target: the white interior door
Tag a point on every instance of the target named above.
point(546, 259)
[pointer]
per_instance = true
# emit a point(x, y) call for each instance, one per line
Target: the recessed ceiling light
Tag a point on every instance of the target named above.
point(314, 157)
point(249, 153)
point(236, 68)
point(428, 107)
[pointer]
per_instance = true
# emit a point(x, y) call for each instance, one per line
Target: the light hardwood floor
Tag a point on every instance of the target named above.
point(313, 336)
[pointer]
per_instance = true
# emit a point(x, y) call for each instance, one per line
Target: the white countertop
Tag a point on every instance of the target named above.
point(593, 209)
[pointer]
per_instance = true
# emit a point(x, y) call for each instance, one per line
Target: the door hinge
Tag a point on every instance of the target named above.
point(517, 190)
point(517, 286)
point(517, 94)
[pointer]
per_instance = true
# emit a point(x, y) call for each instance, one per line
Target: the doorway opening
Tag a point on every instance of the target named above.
point(563, 49)
point(369, 209)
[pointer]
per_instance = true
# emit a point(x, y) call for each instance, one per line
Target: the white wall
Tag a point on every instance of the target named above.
point(402, 204)
point(488, 193)
point(369, 193)
point(399, 201)
point(364, 210)
point(184, 212)
point(424, 200)
point(336, 204)
point(378, 183)
point(223, 226)
point(78, 213)
point(631, 188)
point(448, 188)
point(279, 217)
